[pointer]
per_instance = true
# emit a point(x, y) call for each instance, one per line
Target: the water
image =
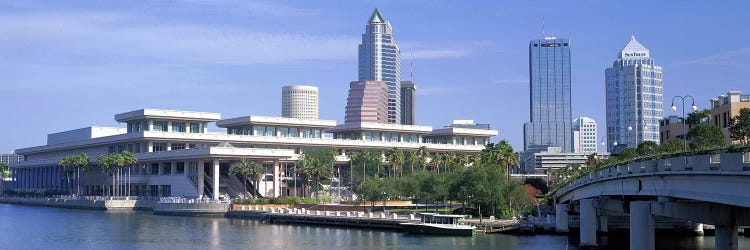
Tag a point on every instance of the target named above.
point(26, 227)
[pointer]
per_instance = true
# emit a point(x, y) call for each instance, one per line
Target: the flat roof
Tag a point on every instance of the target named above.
point(385, 127)
point(463, 131)
point(272, 120)
point(167, 114)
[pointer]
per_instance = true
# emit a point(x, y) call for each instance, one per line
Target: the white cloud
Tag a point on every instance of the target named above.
point(67, 37)
point(441, 91)
point(728, 58)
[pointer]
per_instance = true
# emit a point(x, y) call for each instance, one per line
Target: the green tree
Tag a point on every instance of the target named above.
point(628, 154)
point(4, 171)
point(250, 171)
point(78, 162)
point(673, 145)
point(739, 127)
point(317, 166)
point(705, 136)
point(593, 160)
point(537, 183)
point(647, 148)
point(412, 158)
point(106, 162)
point(395, 158)
point(373, 190)
point(696, 117)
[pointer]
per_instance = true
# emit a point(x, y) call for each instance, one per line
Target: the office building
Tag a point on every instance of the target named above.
point(726, 107)
point(468, 124)
point(554, 158)
point(408, 103)
point(10, 158)
point(380, 60)
point(178, 157)
point(367, 102)
point(634, 98)
point(299, 102)
point(584, 135)
point(550, 123)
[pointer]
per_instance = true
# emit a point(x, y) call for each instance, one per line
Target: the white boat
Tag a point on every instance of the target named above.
point(439, 224)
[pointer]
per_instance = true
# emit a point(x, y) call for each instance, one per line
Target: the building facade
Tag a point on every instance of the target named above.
point(408, 103)
point(554, 158)
point(10, 158)
point(635, 101)
point(299, 102)
point(380, 60)
point(584, 135)
point(726, 107)
point(178, 157)
point(671, 127)
point(367, 102)
point(550, 123)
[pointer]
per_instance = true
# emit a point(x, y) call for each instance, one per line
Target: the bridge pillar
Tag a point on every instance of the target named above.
point(726, 237)
point(561, 218)
point(588, 222)
point(603, 224)
point(641, 226)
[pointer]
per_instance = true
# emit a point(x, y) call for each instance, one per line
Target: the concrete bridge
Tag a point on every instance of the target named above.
point(709, 189)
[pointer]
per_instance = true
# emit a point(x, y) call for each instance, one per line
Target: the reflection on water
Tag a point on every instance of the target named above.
point(26, 227)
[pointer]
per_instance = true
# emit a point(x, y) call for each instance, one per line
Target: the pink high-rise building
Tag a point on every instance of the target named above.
point(367, 102)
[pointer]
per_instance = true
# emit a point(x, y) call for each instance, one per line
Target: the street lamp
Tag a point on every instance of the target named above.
point(674, 108)
point(384, 199)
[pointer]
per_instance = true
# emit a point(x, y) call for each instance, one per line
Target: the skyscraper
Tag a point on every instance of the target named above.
point(367, 102)
point(584, 135)
point(634, 97)
point(380, 60)
point(549, 90)
point(408, 101)
point(299, 102)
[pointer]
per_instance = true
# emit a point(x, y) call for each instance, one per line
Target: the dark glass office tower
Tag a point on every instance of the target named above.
point(550, 122)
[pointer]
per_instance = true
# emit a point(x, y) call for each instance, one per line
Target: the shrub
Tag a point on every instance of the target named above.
point(307, 200)
point(286, 200)
point(261, 201)
point(325, 199)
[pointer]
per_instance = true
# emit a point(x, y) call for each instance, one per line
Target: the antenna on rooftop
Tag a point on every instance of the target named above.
point(411, 65)
point(543, 34)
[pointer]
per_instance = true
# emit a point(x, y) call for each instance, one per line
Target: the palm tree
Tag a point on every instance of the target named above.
point(107, 164)
point(317, 167)
point(4, 171)
point(395, 157)
point(241, 167)
point(423, 153)
point(128, 160)
point(412, 157)
point(67, 163)
point(506, 156)
point(450, 161)
point(80, 161)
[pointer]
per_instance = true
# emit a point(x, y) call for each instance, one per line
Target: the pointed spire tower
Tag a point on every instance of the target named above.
point(634, 98)
point(380, 60)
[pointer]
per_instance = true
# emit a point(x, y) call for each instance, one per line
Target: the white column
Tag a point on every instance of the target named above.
point(169, 146)
point(603, 225)
point(216, 174)
point(200, 178)
point(150, 147)
point(169, 126)
point(561, 218)
point(150, 125)
point(205, 127)
point(588, 222)
point(642, 226)
point(726, 237)
point(276, 182)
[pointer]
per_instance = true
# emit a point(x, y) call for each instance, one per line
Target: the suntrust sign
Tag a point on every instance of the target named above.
point(635, 54)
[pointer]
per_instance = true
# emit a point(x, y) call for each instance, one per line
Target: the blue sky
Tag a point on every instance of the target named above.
point(75, 64)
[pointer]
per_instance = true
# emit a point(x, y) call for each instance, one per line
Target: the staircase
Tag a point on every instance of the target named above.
point(233, 186)
point(208, 190)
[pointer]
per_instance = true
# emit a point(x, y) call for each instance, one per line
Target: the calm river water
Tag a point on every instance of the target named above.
point(26, 227)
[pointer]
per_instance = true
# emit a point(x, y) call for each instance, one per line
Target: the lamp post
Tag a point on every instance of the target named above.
point(674, 108)
point(385, 197)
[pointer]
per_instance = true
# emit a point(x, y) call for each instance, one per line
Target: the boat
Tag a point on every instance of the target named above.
point(439, 224)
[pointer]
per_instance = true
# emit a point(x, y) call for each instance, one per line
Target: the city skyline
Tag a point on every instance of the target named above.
point(143, 72)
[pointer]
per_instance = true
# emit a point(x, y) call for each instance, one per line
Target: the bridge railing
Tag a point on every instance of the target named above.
point(714, 161)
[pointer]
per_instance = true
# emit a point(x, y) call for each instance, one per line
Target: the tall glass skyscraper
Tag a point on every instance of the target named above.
point(380, 60)
point(550, 122)
point(635, 101)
